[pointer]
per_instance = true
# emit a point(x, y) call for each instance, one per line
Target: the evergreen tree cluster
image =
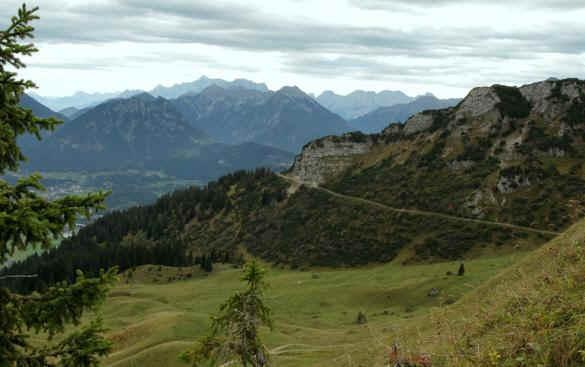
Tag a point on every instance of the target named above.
point(206, 261)
point(60, 264)
point(152, 234)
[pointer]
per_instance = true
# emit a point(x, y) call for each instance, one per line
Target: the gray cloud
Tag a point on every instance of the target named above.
point(402, 5)
point(113, 63)
point(246, 28)
point(94, 65)
point(367, 52)
point(458, 73)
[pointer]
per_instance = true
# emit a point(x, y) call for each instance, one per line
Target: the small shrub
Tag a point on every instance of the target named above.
point(361, 318)
point(449, 300)
point(461, 270)
point(512, 102)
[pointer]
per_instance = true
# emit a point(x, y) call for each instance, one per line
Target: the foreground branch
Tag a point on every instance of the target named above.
point(18, 276)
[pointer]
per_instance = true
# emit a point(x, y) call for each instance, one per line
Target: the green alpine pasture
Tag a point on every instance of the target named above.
point(156, 312)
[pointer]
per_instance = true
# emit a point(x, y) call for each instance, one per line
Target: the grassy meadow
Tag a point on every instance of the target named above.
point(530, 314)
point(156, 312)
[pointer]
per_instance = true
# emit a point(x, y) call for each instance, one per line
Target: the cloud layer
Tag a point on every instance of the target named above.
point(436, 40)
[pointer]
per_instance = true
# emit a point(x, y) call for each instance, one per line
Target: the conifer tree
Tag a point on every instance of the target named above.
point(27, 219)
point(461, 270)
point(234, 332)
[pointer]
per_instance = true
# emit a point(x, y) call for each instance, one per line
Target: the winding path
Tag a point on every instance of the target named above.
point(417, 212)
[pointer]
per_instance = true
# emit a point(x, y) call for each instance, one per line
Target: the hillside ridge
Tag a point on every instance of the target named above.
point(498, 151)
point(316, 186)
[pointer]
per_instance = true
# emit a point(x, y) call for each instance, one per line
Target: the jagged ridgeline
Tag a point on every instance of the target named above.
point(513, 155)
point(503, 155)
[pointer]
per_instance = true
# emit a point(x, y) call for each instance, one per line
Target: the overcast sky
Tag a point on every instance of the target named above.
point(441, 46)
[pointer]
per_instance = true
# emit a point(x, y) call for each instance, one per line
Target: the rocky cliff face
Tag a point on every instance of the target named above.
point(503, 125)
point(478, 102)
point(328, 156)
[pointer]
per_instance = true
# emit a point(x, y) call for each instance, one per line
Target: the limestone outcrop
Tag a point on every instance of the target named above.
point(417, 123)
point(327, 157)
point(510, 123)
point(478, 102)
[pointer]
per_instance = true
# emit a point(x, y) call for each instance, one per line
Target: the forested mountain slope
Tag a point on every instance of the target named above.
point(504, 155)
point(121, 133)
point(263, 214)
point(146, 133)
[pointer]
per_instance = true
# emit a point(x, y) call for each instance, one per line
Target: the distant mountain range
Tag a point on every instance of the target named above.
point(195, 138)
point(239, 112)
point(360, 102)
point(285, 119)
point(81, 100)
point(72, 112)
point(200, 84)
point(380, 118)
point(349, 107)
point(144, 132)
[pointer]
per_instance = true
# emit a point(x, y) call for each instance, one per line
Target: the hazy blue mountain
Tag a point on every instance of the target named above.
point(119, 134)
point(72, 112)
point(149, 133)
point(292, 118)
point(39, 110)
point(200, 84)
point(221, 113)
point(360, 102)
point(286, 119)
point(378, 119)
point(81, 100)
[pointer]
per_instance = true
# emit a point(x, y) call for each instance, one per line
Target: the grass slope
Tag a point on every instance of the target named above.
point(531, 314)
point(158, 311)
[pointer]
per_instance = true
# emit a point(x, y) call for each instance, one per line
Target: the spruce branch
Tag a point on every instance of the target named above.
point(18, 276)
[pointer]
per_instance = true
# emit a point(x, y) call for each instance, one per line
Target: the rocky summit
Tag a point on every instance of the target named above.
point(499, 151)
